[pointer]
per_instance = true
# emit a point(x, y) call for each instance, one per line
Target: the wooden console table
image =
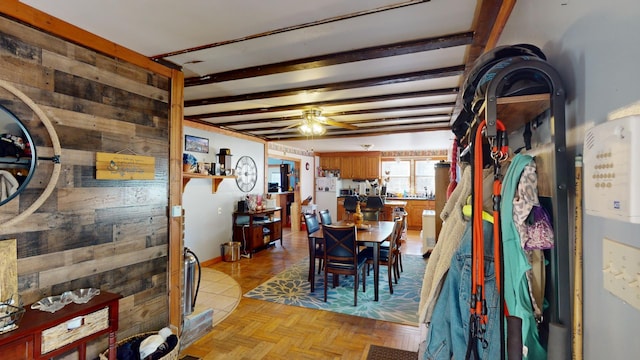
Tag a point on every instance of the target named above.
point(43, 335)
point(248, 228)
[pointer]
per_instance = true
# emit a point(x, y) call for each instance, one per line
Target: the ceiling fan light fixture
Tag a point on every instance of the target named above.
point(311, 128)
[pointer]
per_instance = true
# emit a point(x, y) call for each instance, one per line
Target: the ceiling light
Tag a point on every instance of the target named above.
point(311, 128)
point(311, 123)
point(366, 147)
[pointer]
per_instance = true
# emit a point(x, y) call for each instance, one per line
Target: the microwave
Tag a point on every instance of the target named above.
point(346, 192)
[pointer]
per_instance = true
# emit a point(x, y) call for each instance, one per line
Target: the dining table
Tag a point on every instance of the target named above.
point(370, 233)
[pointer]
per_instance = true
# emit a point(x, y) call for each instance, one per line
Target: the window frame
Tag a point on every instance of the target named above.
point(412, 168)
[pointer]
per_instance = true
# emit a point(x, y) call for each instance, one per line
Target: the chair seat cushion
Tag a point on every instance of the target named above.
point(368, 253)
point(346, 266)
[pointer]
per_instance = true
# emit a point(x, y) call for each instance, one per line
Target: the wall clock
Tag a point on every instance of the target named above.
point(246, 173)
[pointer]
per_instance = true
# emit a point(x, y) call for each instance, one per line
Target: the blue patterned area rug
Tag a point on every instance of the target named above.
point(291, 287)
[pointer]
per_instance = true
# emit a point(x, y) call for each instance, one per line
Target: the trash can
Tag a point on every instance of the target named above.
point(231, 251)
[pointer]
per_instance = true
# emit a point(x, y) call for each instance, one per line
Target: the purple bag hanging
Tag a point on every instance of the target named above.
point(539, 230)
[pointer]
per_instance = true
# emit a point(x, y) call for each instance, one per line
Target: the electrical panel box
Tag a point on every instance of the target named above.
point(611, 169)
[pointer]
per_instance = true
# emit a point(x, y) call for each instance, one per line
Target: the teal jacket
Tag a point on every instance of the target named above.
point(516, 265)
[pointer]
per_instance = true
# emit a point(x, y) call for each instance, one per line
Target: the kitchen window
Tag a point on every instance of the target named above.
point(409, 177)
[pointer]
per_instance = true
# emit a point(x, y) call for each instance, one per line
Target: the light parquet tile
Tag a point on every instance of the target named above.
point(264, 330)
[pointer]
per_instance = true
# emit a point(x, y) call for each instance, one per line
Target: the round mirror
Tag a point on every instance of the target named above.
point(17, 156)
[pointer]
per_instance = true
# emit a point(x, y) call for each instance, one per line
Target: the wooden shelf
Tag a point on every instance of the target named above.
point(215, 180)
point(516, 111)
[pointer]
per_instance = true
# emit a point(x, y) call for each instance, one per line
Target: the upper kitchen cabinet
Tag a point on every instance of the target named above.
point(353, 165)
point(371, 166)
point(330, 162)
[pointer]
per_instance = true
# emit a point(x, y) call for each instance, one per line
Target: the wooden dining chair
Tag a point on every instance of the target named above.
point(325, 217)
point(388, 256)
point(350, 203)
point(342, 257)
point(399, 242)
point(372, 208)
point(311, 222)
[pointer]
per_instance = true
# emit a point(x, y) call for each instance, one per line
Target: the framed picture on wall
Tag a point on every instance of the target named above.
point(196, 144)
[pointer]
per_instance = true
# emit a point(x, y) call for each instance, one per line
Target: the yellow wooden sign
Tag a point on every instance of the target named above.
point(124, 167)
point(8, 270)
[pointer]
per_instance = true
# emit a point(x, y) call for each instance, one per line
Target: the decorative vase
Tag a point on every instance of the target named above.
point(358, 218)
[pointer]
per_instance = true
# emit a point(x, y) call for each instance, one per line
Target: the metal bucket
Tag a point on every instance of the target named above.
point(231, 251)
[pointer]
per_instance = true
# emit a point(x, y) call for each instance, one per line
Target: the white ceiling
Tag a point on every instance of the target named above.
point(240, 41)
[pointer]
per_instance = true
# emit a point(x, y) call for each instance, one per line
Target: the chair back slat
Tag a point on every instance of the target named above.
point(374, 202)
point(340, 245)
point(350, 203)
point(311, 222)
point(325, 217)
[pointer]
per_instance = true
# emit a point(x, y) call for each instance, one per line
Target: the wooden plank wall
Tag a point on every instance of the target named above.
point(107, 234)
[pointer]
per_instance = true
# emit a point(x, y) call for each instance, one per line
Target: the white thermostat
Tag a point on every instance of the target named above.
point(611, 166)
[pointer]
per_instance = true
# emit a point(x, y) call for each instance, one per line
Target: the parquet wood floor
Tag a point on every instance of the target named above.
point(264, 330)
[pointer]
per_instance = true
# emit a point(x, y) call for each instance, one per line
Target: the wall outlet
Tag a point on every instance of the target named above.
point(176, 211)
point(621, 272)
point(219, 211)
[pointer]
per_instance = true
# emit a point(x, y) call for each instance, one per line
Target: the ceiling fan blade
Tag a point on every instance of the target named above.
point(332, 122)
point(292, 126)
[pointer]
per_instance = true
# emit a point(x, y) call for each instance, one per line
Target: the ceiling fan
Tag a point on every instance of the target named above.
point(313, 123)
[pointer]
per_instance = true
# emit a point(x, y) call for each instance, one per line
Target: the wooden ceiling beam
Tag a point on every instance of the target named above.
point(490, 19)
point(265, 110)
point(367, 121)
point(345, 85)
point(292, 28)
point(374, 52)
point(329, 135)
point(295, 118)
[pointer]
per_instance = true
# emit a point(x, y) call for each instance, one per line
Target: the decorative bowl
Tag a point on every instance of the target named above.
point(81, 296)
point(51, 303)
point(9, 317)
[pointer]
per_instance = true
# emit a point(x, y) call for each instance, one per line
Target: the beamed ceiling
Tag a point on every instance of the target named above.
point(372, 67)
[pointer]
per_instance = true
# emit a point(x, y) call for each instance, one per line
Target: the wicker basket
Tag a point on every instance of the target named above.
point(172, 355)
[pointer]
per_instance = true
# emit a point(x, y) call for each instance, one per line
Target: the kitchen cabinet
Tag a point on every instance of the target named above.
point(414, 210)
point(330, 162)
point(353, 165)
point(369, 167)
point(348, 168)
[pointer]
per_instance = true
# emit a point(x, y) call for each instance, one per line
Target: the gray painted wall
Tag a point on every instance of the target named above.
point(594, 46)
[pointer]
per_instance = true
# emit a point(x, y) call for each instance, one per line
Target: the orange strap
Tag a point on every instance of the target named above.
point(477, 272)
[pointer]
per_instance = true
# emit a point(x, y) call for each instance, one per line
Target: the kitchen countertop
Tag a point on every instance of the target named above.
point(409, 198)
point(389, 199)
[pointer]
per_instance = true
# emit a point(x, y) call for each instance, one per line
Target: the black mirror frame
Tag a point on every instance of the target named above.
point(34, 157)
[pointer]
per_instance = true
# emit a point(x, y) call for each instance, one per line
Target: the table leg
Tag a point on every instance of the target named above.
point(82, 351)
point(112, 345)
point(312, 262)
point(376, 268)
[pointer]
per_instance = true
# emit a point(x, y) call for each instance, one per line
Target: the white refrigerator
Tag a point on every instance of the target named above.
point(327, 190)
